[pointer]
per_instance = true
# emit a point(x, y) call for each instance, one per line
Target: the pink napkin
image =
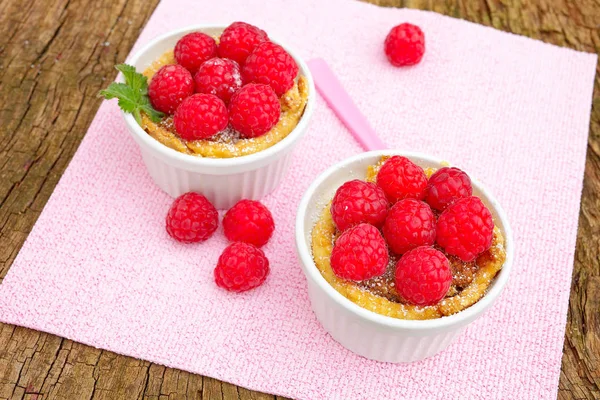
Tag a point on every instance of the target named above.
point(99, 268)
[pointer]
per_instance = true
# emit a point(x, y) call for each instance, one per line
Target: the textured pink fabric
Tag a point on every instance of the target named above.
point(99, 268)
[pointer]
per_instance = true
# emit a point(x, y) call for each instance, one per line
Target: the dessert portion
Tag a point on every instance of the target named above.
point(408, 243)
point(219, 97)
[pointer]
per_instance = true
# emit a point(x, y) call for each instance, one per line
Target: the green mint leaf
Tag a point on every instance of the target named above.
point(135, 80)
point(128, 98)
point(114, 90)
point(154, 115)
point(132, 95)
point(137, 115)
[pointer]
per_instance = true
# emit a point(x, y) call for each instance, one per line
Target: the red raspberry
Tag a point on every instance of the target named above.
point(254, 110)
point(271, 65)
point(200, 116)
point(400, 178)
point(409, 224)
point(192, 218)
point(194, 49)
point(219, 76)
point(169, 87)
point(356, 202)
point(405, 45)
point(249, 221)
point(241, 267)
point(423, 276)
point(465, 229)
point(238, 40)
point(359, 253)
point(446, 186)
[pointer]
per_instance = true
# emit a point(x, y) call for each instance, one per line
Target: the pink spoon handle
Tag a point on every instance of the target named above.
point(340, 102)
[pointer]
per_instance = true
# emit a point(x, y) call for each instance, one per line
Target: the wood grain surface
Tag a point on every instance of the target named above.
point(54, 57)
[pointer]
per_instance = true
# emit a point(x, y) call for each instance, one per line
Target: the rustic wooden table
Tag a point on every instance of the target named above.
point(54, 57)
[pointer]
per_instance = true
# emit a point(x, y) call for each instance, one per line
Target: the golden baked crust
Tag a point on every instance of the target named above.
point(228, 143)
point(470, 281)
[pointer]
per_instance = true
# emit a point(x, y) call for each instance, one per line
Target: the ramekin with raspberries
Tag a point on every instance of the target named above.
point(401, 252)
point(211, 82)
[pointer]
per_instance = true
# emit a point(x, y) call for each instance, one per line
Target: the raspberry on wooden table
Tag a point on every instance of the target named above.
point(356, 202)
point(410, 223)
point(405, 45)
point(423, 276)
point(254, 110)
point(359, 253)
point(200, 116)
point(220, 77)
point(241, 267)
point(169, 87)
point(249, 221)
point(400, 178)
point(238, 40)
point(465, 229)
point(446, 186)
point(194, 49)
point(271, 65)
point(192, 218)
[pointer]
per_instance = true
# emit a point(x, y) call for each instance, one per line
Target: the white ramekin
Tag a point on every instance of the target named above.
point(362, 331)
point(224, 181)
